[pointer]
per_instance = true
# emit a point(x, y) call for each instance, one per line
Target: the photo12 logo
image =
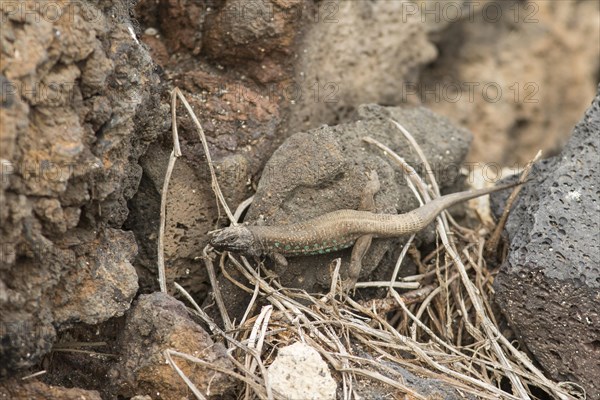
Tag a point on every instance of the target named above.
point(42, 170)
point(290, 92)
point(38, 92)
point(53, 11)
point(470, 92)
point(453, 11)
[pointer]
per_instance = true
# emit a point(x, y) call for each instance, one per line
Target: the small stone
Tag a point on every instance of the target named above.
point(299, 372)
point(151, 31)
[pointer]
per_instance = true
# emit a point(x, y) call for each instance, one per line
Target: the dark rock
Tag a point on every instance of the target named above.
point(16, 390)
point(324, 170)
point(79, 111)
point(550, 283)
point(356, 52)
point(430, 388)
point(158, 322)
point(252, 30)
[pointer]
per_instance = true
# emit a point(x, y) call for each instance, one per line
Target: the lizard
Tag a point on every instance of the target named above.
point(338, 230)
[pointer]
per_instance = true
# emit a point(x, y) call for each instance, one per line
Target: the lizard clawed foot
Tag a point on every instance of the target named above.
point(363, 243)
point(348, 285)
point(373, 184)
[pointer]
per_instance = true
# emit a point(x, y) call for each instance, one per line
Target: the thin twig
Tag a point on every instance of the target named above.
point(492, 243)
point(442, 224)
point(212, 276)
point(175, 153)
point(34, 375)
point(393, 282)
point(213, 181)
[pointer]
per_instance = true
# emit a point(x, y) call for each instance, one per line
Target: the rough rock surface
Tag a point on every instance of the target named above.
point(433, 389)
point(77, 100)
point(324, 170)
point(15, 390)
point(518, 74)
point(158, 322)
point(232, 61)
point(549, 286)
point(355, 52)
point(299, 372)
point(251, 75)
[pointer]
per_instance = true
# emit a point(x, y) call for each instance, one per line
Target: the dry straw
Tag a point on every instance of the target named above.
point(443, 327)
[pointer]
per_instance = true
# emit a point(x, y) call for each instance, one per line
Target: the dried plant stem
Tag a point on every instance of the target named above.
point(488, 327)
point(492, 243)
point(213, 176)
point(175, 153)
point(450, 330)
point(212, 276)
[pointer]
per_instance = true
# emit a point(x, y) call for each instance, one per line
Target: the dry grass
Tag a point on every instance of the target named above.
point(437, 324)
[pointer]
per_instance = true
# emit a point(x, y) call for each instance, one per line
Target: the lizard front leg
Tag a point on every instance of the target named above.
point(279, 259)
point(362, 244)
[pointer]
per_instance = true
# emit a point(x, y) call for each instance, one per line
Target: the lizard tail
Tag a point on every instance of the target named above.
point(428, 212)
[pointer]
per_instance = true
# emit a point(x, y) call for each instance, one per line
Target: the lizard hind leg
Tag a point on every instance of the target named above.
point(362, 244)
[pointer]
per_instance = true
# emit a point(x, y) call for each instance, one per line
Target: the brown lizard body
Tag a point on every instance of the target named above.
point(337, 230)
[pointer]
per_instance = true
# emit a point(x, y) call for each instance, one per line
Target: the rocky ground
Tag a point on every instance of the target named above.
point(85, 139)
point(548, 287)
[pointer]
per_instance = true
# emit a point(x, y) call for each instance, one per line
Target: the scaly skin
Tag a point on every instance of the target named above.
point(336, 230)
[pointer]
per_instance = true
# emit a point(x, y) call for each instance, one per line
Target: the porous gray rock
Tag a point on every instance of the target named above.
point(19, 390)
point(78, 109)
point(549, 286)
point(324, 170)
point(158, 322)
point(355, 52)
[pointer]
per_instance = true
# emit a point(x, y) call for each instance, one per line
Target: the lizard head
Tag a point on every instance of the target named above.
point(234, 238)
